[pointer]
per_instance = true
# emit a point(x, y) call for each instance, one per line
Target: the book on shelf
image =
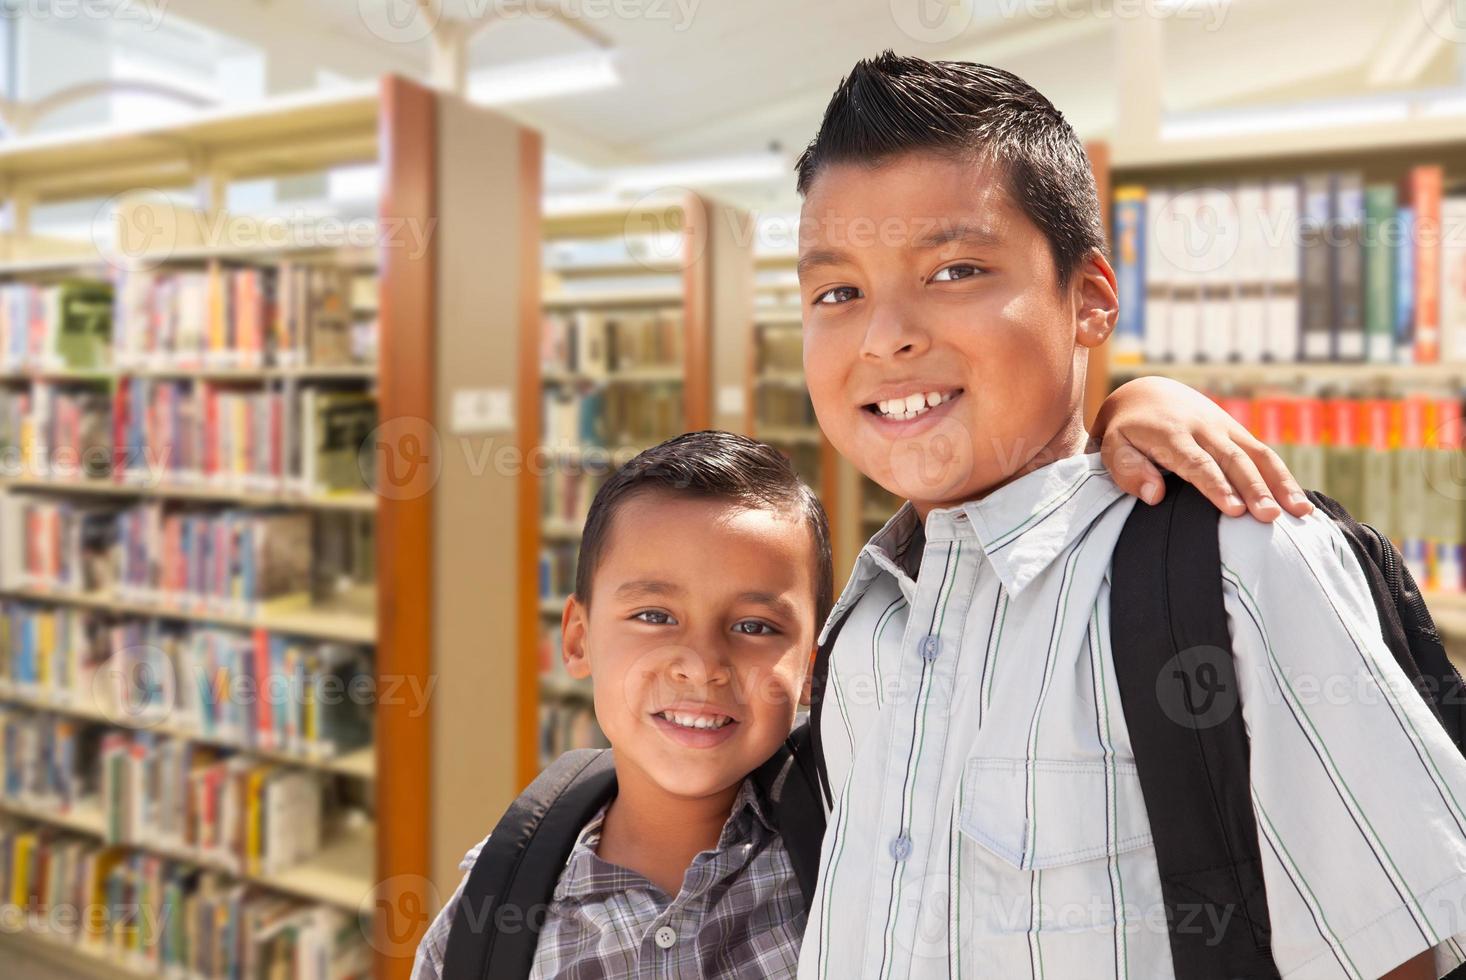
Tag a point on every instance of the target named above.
point(784, 407)
point(566, 490)
point(242, 815)
point(221, 560)
point(50, 762)
point(599, 344)
point(60, 326)
point(157, 915)
point(781, 351)
point(1317, 267)
point(286, 315)
point(1392, 462)
point(334, 440)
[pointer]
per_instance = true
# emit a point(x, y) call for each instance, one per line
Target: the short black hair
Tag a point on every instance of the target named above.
point(717, 465)
point(889, 105)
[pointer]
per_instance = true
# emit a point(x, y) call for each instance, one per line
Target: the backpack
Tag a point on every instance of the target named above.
point(1166, 600)
point(501, 910)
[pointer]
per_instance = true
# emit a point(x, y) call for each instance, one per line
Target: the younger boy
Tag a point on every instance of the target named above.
point(988, 819)
point(704, 570)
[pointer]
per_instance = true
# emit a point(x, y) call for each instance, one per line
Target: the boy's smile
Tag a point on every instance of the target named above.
point(942, 355)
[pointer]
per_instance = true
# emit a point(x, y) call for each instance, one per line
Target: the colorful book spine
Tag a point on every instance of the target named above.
point(1129, 230)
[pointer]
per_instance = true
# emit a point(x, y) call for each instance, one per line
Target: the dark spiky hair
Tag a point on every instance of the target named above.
point(717, 465)
point(891, 105)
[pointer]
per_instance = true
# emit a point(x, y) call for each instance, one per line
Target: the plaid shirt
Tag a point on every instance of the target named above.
point(739, 913)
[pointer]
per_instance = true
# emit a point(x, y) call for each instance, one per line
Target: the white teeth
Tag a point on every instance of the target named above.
point(911, 406)
point(695, 721)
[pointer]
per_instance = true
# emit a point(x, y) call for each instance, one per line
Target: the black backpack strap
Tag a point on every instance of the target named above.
point(1409, 631)
point(519, 866)
point(789, 784)
point(1178, 686)
point(821, 670)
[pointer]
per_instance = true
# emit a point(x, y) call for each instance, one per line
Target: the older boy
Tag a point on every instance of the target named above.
point(988, 818)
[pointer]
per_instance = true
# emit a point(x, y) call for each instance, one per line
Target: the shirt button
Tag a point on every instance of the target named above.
point(666, 937)
point(901, 848)
point(930, 646)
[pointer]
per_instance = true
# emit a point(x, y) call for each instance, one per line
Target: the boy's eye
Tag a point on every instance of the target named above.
point(753, 627)
point(839, 294)
point(954, 272)
point(655, 617)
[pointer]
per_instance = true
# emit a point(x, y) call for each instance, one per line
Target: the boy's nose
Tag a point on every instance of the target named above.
point(691, 667)
point(892, 333)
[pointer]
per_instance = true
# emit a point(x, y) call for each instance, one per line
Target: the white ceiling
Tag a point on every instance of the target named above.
point(717, 77)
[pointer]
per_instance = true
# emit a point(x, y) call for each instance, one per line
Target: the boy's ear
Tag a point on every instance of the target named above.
point(573, 639)
point(1096, 301)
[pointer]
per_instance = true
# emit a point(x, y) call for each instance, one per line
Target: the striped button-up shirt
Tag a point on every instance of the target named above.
point(989, 820)
point(739, 912)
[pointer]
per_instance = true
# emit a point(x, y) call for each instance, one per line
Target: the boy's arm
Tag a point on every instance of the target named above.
point(1157, 422)
point(1358, 792)
point(1421, 967)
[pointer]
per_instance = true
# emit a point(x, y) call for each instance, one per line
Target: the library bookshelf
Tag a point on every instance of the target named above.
point(643, 336)
point(1363, 358)
point(779, 409)
point(391, 334)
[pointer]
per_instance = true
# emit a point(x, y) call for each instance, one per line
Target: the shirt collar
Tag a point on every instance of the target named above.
point(1021, 527)
point(587, 874)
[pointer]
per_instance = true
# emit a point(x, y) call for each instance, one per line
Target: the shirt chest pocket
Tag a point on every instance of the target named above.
point(1052, 844)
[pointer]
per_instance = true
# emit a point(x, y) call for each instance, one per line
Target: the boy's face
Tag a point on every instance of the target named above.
point(942, 357)
point(697, 637)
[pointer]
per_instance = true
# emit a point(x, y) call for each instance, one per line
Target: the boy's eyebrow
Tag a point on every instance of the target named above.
point(817, 258)
point(943, 234)
point(774, 601)
point(647, 587)
point(961, 234)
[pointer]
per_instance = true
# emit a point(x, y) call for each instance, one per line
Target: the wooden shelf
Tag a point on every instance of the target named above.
point(619, 299)
point(631, 267)
point(285, 616)
point(765, 317)
point(291, 134)
point(787, 379)
point(1309, 372)
point(344, 372)
point(355, 501)
point(358, 764)
point(790, 436)
point(333, 876)
point(644, 374)
point(74, 959)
